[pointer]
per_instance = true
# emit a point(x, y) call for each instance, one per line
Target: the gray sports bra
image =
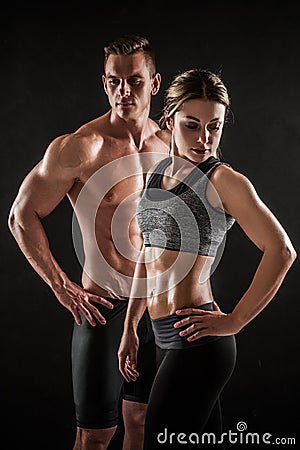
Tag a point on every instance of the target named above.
point(182, 218)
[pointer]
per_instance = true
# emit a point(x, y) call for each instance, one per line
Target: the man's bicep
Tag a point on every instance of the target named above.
point(42, 190)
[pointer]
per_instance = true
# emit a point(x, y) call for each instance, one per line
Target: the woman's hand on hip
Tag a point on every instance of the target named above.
point(198, 323)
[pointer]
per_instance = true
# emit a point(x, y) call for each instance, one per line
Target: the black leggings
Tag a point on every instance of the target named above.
point(185, 394)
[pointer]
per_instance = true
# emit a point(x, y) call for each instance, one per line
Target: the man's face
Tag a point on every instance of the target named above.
point(128, 85)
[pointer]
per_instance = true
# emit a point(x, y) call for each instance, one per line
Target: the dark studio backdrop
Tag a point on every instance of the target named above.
point(51, 59)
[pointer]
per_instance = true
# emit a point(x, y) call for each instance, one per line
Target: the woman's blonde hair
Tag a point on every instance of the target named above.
point(193, 84)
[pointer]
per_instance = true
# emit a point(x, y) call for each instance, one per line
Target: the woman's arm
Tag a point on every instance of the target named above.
point(240, 199)
point(137, 305)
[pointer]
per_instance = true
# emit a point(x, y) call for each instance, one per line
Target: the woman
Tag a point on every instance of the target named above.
point(191, 200)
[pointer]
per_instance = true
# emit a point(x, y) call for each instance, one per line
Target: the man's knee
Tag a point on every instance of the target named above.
point(134, 413)
point(93, 438)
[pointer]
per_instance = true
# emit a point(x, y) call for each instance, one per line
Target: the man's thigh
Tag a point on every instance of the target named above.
point(97, 381)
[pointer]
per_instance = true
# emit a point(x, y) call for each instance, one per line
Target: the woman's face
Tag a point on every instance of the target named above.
point(197, 129)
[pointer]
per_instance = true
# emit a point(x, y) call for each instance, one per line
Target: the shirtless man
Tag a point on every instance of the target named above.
point(88, 166)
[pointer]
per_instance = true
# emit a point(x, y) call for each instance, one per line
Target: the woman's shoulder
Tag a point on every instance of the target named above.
point(228, 180)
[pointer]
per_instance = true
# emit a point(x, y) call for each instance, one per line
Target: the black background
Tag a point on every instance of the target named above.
point(51, 67)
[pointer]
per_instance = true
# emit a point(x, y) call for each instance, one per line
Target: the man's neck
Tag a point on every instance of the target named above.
point(136, 130)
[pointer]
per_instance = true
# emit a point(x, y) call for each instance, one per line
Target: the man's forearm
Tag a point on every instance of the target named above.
point(33, 242)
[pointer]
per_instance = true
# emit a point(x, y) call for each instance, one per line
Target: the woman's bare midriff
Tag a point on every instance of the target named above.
point(176, 280)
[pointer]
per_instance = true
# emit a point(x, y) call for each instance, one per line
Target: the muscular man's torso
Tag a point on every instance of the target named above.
point(104, 197)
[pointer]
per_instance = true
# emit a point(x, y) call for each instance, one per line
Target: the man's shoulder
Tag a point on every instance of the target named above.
point(94, 130)
point(73, 149)
point(164, 135)
point(89, 131)
point(155, 132)
point(88, 136)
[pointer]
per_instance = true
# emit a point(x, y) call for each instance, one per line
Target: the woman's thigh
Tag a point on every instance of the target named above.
point(186, 389)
